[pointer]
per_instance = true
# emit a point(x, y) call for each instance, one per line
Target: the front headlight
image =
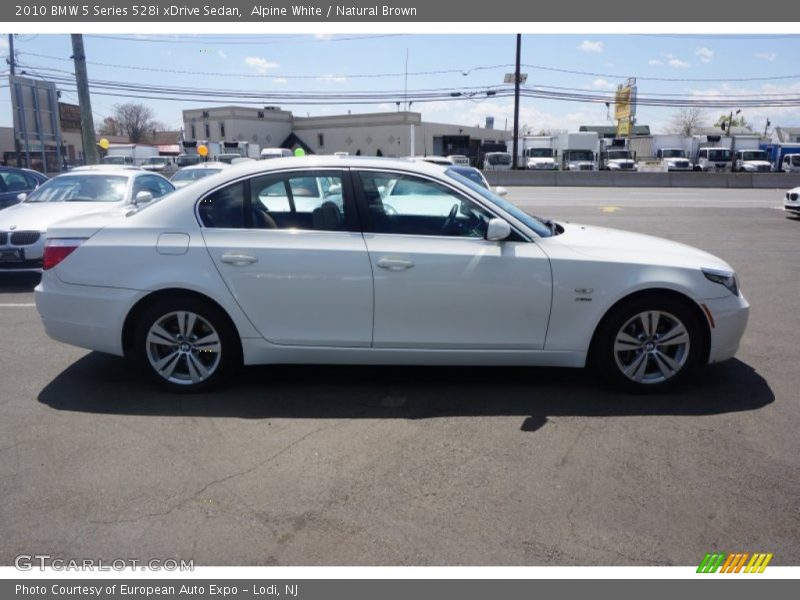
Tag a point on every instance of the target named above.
point(725, 278)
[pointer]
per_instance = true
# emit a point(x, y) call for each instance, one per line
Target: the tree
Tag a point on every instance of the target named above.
point(136, 121)
point(687, 121)
point(738, 121)
point(109, 126)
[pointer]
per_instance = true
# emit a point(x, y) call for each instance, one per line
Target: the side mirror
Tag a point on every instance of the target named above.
point(500, 190)
point(21, 197)
point(497, 230)
point(143, 197)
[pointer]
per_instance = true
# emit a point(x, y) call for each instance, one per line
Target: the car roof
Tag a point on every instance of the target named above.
point(104, 168)
point(332, 162)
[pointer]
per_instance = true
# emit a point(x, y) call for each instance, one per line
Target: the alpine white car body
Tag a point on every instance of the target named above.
point(211, 277)
point(792, 202)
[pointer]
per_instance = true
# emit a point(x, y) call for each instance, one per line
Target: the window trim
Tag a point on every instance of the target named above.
point(366, 217)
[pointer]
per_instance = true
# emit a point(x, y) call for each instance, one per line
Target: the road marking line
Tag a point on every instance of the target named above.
point(16, 304)
point(609, 209)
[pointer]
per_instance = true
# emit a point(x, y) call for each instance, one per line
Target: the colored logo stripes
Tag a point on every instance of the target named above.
point(734, 563)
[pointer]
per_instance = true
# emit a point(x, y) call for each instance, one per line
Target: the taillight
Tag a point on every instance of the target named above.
point(57, 249)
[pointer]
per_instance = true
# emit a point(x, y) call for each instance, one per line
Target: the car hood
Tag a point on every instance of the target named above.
point(624, 246)
point(39, 216)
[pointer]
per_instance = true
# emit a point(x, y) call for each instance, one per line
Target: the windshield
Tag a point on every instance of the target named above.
point(193, 174)
point(473, 175)
point(673, 154)
point(227, 158)
point(539, 152)
point(720, 154)
point(156, 161)
point(499, 159)
point(580, 155)
point(532, 222)
point(796, 160)
point(754, 155)
point(115, 160)
point(82, 188)
point(612, 154)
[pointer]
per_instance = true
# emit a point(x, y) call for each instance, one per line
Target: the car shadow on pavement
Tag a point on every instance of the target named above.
point(17, 283)
point(101, 383)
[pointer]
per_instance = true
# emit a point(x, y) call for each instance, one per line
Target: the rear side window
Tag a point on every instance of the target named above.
point(224, 208)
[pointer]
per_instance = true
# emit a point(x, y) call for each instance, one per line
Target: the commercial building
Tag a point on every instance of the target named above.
point(401, 133)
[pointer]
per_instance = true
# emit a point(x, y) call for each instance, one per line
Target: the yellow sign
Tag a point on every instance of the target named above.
point(202, 150)
point(622, 103)
point(103, 143)
point(624, 128)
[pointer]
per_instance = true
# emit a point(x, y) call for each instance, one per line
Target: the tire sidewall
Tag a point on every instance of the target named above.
point(231, 352)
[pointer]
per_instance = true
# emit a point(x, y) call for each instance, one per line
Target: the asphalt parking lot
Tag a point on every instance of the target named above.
point(431, 466)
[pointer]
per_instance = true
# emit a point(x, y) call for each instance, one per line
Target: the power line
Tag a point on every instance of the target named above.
point(235, 42)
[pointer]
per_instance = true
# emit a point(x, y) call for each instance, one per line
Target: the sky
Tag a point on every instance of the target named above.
point(347, 63)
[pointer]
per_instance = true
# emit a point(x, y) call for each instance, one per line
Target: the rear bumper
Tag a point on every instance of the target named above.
point(730, 316)
point(85, 316)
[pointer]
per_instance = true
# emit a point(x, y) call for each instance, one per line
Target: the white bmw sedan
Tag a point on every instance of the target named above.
point(300, 260)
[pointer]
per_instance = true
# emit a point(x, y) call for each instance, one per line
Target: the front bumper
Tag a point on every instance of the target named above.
point(792, 207)
point(729, 316)
point(83, 315)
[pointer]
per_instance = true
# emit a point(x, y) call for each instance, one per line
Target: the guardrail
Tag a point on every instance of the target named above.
point(618, 179)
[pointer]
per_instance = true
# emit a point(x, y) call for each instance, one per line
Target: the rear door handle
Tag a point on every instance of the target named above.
point(395, 264)
point(238, 260)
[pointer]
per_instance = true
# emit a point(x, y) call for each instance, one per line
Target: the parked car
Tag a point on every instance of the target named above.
point(228, 157)
point(267, 153)
point(478, 177)
point(187, 175)
point(16, 183)
point(185, 160)
point(159, 164)
point(792, 203)
point(209, 278)
point(83, 190)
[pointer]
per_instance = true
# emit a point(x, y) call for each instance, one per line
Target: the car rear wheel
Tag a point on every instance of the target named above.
point(649, 344)
point(186, 345)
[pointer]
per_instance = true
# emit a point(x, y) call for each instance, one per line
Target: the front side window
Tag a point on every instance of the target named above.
point(149, 183)
point(409, 205)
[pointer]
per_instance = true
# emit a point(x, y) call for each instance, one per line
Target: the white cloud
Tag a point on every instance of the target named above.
point(768, 56)
point(333, 78)
point(676, 63)
point(705, 55)
point(261, 65)
point(589, 46)
point(602, 84)
point(3, 41)
point(222, 54)
point(756, 116)
point(654, 62)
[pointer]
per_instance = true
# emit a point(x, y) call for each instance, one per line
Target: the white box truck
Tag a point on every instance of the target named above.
point(128, 154)
point(578, 151)
point(539, 152)
point(615, 155)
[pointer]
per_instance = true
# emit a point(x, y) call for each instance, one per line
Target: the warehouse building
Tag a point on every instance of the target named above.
point(401, 133)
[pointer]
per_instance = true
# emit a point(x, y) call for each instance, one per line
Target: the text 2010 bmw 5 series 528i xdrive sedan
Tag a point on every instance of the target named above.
point(378, 261)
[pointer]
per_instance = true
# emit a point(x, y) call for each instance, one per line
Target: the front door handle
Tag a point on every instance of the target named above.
point(238, 260)
point(395, 264)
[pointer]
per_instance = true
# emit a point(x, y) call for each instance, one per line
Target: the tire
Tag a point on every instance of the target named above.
point(633, 356)
point(186, 345)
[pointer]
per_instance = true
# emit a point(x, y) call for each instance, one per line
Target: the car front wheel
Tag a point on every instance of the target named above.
point(649, 345)
point(186, 345)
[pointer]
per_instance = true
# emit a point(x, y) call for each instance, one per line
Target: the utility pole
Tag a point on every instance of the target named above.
point(12, 70)
point(516, 103)
point(82, 80)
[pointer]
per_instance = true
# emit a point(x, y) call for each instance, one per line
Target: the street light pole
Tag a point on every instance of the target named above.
point(516, 104)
